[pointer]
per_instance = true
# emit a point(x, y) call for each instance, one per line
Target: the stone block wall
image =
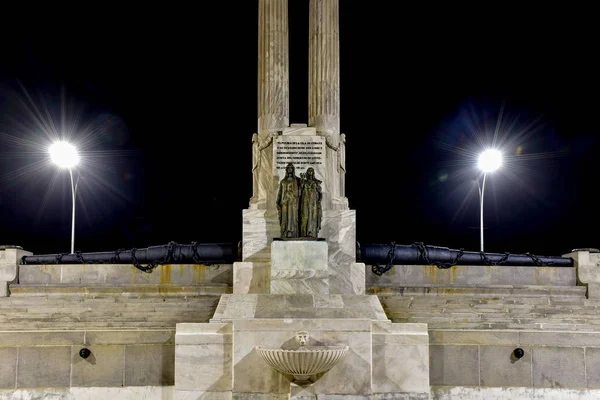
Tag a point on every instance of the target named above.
point(119, 274)
point(50, 359)
point(485, 359)
point(471, 275)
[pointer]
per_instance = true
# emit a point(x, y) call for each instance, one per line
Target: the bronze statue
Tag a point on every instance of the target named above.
point(288, 197)
point(299, 204)
point(310, 204)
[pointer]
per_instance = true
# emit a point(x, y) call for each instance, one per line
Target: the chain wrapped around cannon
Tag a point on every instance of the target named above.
point(146, 259)
point(443, 257)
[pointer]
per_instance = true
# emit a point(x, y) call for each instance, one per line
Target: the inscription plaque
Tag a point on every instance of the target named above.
point(302, 151)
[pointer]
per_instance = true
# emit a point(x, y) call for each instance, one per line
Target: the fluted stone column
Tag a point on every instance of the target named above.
point(324, 67)
point(324, 90)
point(273, 94)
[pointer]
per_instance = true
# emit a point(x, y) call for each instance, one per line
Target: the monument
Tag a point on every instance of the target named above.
point(292, 319)
point(299, 205)
point(298, 281)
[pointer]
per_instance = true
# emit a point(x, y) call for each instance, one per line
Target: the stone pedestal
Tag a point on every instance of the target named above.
point(219, 360)
point(251, 277)
point(288, 291)
point(299, 267)
point(338, 227)
point(587, 265)
point(10, 257)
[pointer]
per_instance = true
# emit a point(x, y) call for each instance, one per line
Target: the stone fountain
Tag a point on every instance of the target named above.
point(299, 271)
point(304, 362)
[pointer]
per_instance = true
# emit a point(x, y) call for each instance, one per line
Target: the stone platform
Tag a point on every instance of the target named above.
point(219, 360)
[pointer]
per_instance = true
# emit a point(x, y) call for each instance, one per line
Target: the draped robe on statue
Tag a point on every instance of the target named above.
point(310, 206)
point(287, 202)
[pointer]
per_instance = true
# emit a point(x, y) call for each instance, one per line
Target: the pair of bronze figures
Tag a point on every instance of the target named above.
point(299, 204)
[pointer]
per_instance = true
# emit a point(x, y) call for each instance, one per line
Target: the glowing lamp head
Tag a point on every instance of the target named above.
point(64, 154)
point(490, 160)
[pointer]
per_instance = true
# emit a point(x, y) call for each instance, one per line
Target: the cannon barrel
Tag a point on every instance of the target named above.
point(172, 253)
point(419, 254)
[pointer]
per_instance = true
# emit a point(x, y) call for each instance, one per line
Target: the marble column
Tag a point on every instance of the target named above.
point(324, 89)
point(273, 95)
point(273, 69)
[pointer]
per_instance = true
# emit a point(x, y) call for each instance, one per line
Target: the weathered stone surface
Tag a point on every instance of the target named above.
point(203, 360)
point(198, 334)
point(498, 367)
point(259, 227)
point(454, 365)
point(400, 358)
point(115, 274)
point(299, 267)
point(130, 336)
point(44, 367)
point(259, 396)
point(104, 366)
point(204, 367)
point(324, 92)
point(483, 337)
point(9, 267)
point(8, 368)
point(508, 393)
point(559, 367)
point(251, 277)
point(45, 338)
point(458, 275)
point(592, 366)
point(201, 395)
point(350, 376)
point(587, 266)
point(298, 306)
point(562, 339)
point(148, 365)
point(91, 393)
point(339, 227)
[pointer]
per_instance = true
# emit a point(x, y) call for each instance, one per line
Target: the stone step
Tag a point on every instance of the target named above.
point(499, 325)
point(493, 291)
point(205, 301)
point(86, 325)
point(140, 290)
point(504, 326)
point(591, 318)
point(126, 306)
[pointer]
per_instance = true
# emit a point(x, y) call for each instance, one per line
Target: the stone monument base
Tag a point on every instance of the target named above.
point(261, 227)
point(299, 267)
point(219, 360)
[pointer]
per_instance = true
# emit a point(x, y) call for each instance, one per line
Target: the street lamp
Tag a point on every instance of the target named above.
point(65, 155)
point(489, 161)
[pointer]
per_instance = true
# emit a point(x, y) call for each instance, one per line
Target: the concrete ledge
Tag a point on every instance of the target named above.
point(478, 290)
point(15, 338)
point(50, 359)
point(484, 359)
point(335, 306)
point(459, 275)
point(92, 393)
point(117, 290)
point(515, 393)
point(122, 274)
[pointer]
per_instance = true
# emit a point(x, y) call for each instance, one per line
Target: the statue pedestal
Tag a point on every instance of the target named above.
point(299, 267)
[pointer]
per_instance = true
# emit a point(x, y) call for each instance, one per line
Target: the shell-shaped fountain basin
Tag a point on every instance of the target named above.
point(304, 362)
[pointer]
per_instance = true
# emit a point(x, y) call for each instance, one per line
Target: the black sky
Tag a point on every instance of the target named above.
point(171, 93)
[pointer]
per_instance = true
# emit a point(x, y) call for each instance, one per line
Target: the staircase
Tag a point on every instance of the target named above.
point(493, 307)
point(77, 307)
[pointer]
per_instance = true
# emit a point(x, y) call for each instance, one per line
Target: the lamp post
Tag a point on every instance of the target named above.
point(65, 155)
point(489, 161)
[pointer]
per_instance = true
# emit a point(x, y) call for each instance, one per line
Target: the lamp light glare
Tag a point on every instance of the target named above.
point(64, 154)
point(490, 160)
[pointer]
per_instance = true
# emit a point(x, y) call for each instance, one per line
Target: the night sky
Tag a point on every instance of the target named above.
point(163, 104)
